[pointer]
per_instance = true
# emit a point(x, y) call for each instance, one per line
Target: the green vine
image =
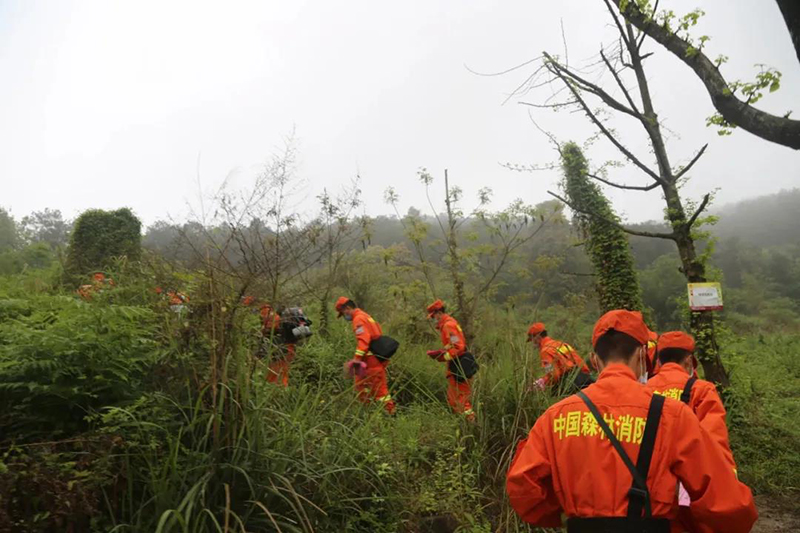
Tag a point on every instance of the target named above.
point(606, 243)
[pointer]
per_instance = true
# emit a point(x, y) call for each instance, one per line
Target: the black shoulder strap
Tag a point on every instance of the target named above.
point(687, 390)
point(639, 495)
point(646, 455)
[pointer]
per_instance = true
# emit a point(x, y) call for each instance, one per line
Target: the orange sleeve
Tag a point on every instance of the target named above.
point(719, 500)
point(710, 411)
point(529, 481)
point(578, 360)
point(361, 329)
point(456, 345)
point(550, 363)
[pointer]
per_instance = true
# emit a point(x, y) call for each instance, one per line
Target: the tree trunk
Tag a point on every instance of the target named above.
point(324, 319)
point(701, 323)
point(464, 309)
point(790, 9)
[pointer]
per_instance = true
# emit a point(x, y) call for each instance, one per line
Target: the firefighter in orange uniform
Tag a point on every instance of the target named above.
point(368, 371)
point(99, 283)
point(676, 379)
point(283, 352)
point(579, 457)
point(558, 358)
point(459, 389)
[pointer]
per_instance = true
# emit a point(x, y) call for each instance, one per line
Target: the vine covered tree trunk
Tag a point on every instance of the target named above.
point(616, 280)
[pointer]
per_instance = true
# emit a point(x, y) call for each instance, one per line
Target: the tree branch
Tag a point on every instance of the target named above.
point(668, 236)
point(790, 9)
point(780, 130)
point(691, 163)
point(699, 210)
point(623, 186)
point(619, 82)
point(557, 72)
point(609, 100)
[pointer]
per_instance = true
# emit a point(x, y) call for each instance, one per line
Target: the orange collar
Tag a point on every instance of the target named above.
point(445, 318)
point(543, 341)
point(616, 370)
point(672, 367)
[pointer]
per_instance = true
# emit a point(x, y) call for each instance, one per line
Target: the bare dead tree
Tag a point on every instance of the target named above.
point(335, 233)
point(624, 63)
point(473, 271)
point(417, 231)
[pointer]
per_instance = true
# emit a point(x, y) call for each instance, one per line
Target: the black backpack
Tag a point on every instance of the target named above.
point(463, 367)
point(295, 326)
point(384, 347)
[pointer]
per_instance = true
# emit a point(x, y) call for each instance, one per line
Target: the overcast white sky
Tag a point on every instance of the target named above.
point(109, 103)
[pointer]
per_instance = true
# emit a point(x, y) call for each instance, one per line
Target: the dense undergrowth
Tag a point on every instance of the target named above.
point(117, 418)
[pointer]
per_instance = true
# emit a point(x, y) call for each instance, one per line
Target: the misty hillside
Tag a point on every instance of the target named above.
point(764, 221)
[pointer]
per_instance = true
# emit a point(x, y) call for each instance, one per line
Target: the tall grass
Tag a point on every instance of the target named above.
point(311, 458)
point(224, 451)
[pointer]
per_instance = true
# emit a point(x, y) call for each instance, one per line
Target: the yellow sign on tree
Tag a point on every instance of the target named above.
point(705, 296)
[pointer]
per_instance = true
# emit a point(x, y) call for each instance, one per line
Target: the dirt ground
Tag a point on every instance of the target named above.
point(774, 516)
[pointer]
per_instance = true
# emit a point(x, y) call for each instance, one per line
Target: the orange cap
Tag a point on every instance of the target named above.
point(676, 339)
point(340, 304)
point(535, 329)
point(628, 322)
point(438, 305)
point(248, 300)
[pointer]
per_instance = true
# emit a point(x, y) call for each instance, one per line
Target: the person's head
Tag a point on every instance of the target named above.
point(345, 307)
point(436, 310)
point(537, 332)
point(677, 347)
point(99, 276)
point(621, 336)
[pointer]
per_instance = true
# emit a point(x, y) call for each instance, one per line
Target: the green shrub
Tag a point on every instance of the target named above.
point(99, 236)
point(61, 359)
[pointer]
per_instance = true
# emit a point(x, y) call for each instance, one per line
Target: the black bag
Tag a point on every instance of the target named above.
point(295, 326)
point(464, 367)
point(582, 380)
point(384, 347)
point(273, 348)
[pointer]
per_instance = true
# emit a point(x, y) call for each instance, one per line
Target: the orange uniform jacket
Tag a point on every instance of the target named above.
point(704, 401)
point(558, 358)
point(270, 321)
point(452, 337)
point(568, 465)
point(366, 330)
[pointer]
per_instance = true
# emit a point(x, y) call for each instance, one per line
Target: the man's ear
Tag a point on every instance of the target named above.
point(596, 362)
point(688, 365)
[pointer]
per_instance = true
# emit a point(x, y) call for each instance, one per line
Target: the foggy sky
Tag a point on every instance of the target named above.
point(109, 104)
